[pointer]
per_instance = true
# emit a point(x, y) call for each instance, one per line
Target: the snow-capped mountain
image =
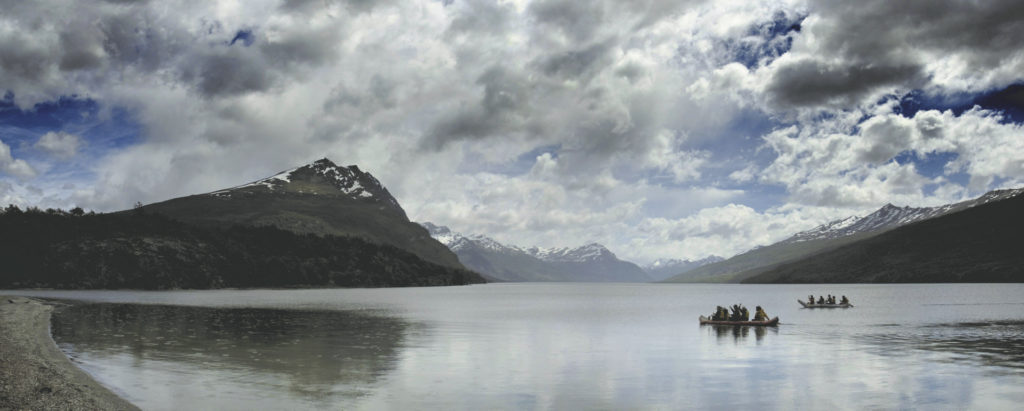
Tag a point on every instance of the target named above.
point(663, 268)
point(455, 241)
point(582, 254)
point(317, 198)
point(890, 216)
point(323, 178)
point(980, 243)
point(588, 263)
point(830, 236)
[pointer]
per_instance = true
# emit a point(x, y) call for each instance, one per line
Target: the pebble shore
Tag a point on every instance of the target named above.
point(34, 373)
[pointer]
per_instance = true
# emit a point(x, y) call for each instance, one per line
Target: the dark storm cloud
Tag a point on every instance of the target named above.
point(228, 74)
point(103, 42)
point(501, 105)
point(987, 30)
point(82, 50)
point(870, 46)
point(23, 59)
point(136, 38)
point(580, 63)
point(813, 83)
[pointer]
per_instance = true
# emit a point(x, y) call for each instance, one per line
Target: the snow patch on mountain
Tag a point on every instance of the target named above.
point(455, 241)
point(671, 263)
point(890, 216)
point(589, 252)
point(348, 180)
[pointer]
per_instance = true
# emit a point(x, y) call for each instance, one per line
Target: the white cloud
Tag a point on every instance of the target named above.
point(823, 163)
point(12, 166)
point(545, 122)
point(59, 144)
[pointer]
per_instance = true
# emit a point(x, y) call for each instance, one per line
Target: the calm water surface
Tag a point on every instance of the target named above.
point(550, 346)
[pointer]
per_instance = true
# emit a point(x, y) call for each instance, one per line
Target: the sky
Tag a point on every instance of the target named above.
point(661, 129)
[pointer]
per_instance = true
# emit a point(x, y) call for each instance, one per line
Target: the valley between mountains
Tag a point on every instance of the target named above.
point(325, 225)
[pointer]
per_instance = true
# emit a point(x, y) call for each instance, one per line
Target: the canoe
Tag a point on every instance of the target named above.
point(771, 322)
point(813, 305)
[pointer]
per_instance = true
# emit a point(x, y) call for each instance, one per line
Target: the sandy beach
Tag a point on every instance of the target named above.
point(34, 373)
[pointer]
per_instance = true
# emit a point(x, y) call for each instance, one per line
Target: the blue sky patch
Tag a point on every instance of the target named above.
point(246, 37)
point(776, 39)
point(101, 130)
point(1008, 100)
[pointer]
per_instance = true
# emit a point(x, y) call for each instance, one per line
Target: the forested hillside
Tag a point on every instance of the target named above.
point(140, 250)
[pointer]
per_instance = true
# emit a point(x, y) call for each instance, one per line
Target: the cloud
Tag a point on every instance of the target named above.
point(59, 144)
point(845, 163)
point(812, 83)
point(12, 166)
point(548, 122)
point(849, 54)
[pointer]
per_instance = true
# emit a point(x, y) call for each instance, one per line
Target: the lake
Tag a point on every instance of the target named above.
point(550, 346)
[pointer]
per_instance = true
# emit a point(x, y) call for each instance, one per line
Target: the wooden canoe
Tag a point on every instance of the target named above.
point(772, 322)
point(814, 305)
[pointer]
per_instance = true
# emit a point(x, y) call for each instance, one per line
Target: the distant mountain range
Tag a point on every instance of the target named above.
point(311, 226)
point(500, 262)
point(978, 243)
point(830, 236)
point(663, 268)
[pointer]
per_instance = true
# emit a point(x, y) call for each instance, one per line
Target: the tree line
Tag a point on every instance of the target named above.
point(73, 249)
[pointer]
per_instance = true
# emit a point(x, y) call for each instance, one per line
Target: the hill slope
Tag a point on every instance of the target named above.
point(317, 198)
point(827, 237)
point(150, 251)
point(978, 244)
point(501, 262)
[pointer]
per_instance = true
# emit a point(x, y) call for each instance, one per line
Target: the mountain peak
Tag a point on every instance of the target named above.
point(323, 161)
point(588, 252)
point(891, 216)
point(320, 178)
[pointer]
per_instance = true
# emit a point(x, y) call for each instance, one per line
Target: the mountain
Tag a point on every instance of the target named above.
point(500, 262)
point(663, 268)
point(141, 250)
point(319, 198)
point(981, 243)
point(890, 216)
point(827, 237)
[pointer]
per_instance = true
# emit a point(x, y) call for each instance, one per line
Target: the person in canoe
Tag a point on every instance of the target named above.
point(845, 300)
point(739, 313)
point(810, 299)
point(821, 299)
point(721, 314)
point(760, 315)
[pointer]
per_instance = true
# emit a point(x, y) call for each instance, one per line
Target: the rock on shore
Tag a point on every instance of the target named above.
point(34, 373)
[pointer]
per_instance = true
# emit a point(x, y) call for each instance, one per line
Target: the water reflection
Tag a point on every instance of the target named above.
point(736, 333)
point(314, 355)
point(552, 346)
point(998, 343)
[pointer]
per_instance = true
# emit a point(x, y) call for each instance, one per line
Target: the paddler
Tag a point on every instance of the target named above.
point(760, 315)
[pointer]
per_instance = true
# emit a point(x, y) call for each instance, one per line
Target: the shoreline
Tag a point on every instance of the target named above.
point(34, 373)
